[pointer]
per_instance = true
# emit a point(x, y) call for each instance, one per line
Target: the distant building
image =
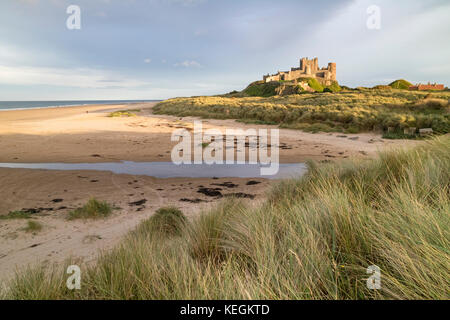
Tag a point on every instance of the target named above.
point(429, 86)
point(308, 69)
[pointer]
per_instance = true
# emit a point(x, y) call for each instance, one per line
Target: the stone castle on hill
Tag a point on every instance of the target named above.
point(308, 69)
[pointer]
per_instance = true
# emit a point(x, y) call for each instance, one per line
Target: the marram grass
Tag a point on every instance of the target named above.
point(346, 111)
point(312, 239)
point(93, 209)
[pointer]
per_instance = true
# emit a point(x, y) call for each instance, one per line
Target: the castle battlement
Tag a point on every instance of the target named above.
point(308, 69)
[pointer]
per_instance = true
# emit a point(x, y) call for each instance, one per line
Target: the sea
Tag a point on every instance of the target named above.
point(20, 105)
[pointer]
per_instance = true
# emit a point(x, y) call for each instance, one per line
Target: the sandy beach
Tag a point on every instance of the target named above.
point(87, 134)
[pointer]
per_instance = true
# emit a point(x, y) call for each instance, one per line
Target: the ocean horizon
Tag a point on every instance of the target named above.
point(21, 105)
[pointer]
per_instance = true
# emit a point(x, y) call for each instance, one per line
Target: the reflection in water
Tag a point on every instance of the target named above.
point(170, 170)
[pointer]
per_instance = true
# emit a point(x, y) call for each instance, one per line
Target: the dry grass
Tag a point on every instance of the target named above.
point(346, 111)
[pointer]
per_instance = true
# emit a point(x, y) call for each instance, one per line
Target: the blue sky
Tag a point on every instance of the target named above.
point(155, 49)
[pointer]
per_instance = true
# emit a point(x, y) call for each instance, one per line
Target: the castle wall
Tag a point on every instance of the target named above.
point(308, 69)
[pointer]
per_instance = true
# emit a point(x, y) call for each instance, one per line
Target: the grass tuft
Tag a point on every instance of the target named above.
point(93, 209)
point(16, 215)
point(167, 221)
point(124, 113)
point(33, 226)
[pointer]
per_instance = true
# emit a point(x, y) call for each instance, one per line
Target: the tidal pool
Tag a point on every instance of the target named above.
point(171, 170)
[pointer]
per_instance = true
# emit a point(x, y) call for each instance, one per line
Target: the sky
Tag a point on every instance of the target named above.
point(157, 49)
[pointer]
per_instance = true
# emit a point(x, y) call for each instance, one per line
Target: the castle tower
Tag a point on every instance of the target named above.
point(308, 69)
point(303, 64)
point(315, 66)
point(332, 69)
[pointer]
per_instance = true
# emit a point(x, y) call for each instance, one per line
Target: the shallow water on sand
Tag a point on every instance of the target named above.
point(171, 170)
point(22, 105)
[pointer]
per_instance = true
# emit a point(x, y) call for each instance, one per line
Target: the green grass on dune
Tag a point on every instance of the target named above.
point(315, 85)
point(93, 209)
point(334, 87)
point(400, 84)
point(261, 89)
point(345, 111)
point(313, 238)
point(16, 215)
point(124, 113)
point(270, 89)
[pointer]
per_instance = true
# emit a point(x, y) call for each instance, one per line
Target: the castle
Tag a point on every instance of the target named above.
point(308, 69)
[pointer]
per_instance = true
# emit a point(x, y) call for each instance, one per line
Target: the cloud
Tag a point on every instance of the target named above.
point(78, 77)
point(186, 3)
point(32, 2)
point(211, 41)
point(409, 44)
point(188, 64)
